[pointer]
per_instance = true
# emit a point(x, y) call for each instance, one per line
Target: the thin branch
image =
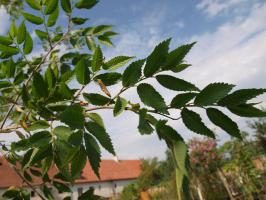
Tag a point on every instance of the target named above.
point(28, 183)
point(78, 93)
point(47, 31)
point(130, 109)
point(30, 77)
point(164, 115)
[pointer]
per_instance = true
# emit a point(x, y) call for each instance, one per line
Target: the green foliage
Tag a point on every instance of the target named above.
point(120, 106)
point(82, 72)
point(176, 84)
point(221, 120)
point(157, 58)
point(33, 18)
point(132, 73)
point(193, 121)
point(212, 93)
point(150, 97)
point(39, 93)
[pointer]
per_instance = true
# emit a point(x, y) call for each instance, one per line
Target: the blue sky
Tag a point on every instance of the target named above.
point(231, 37)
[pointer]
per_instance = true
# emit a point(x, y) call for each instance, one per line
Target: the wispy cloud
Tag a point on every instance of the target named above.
point(234, 52)
point(215, 7)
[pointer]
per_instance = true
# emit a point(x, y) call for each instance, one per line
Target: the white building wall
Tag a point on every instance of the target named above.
point(103, 189)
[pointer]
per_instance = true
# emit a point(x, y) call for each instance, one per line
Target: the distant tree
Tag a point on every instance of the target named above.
point(260, 132)
point(239, 164)
point(45, 103)
point(206, 171)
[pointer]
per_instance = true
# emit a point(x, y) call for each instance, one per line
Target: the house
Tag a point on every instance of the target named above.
point(115, 175)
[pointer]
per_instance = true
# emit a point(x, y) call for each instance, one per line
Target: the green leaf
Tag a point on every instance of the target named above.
point(223, 121)
point(89, 194)
point(144, 126)
point(117, 62)
point(110, 33)
point(132, 73)
point(176, 84)
point(47, 193)
point(109, 78)
point(6, 40)
point(63, 132)
point(247, 110)
point(78, 163)
point(180, 67)
point(96, 118)
point(180, 153)
point(11, 192)
point(50, 78)
point(120, 106)
point(167, 133)
point(50, 7)
point(39, 125)
point(25, 95)
point(78, 20)
point(53, 17)
point(73, 116)
point(39, 86)
point(87, 4)
point(61, 187)
point(13, 30)
point(9, 50)
point(41, 34)
point(97, 59)
point(101, 29)
point(5, 84)
point(32, 18)
point(75, 139)
point(101, 135)
point(194, 123)
point(176, 56)
point(105, 40)
point(82, 72)
point(66, 6)
point(181, 100)
point(157, 58)
point(212, 93)
point(21, 34)
point(93, 153)
point(63, 154)
point(28, 44)
point(34, 4)
point(96, 99)
point(150, 97)
point(39, 139)
point(240, 96)
point(9, 68)
point(90, 43)
point(65, 91)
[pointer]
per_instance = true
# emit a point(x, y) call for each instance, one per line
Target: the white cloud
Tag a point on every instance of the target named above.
point(234, 53)
point(235, 47)
point(215, 7)
point(4, 20)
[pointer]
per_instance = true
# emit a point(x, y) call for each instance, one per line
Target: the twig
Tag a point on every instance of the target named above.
point(30, 77)
point(28, 183)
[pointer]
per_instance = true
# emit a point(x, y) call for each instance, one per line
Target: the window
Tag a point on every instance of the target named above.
point(99, 187)
point(32, 194)
point(115, 185)
point(80, 191)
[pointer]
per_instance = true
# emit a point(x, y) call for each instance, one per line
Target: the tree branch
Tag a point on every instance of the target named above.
point(30, 77)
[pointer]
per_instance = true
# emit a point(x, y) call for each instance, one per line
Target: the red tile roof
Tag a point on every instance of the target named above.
point(110, 170)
